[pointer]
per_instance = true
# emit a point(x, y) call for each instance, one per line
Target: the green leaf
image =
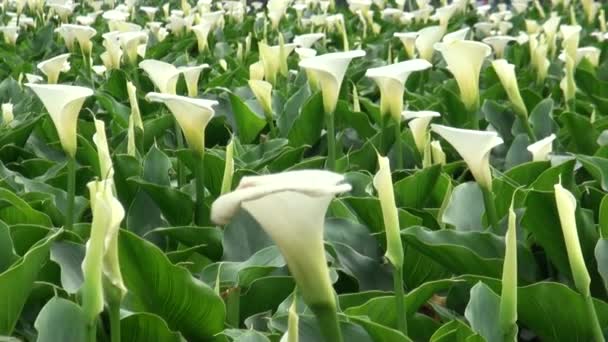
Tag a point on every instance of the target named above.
point(209, 238)
point(415, 191)
point(176, 206)
point(306, 128)
point(482, 313)
point(456, 331)
point(17, 282)
point(61, 320)
point(541, 119)
point(465, 208)
point(14, 210)
point(248, 123)
point(7, 253)
point(146, 327)
point(169, 291)
point(583, 137)
point(69, 257)
point(601, 255)
point(597, 167)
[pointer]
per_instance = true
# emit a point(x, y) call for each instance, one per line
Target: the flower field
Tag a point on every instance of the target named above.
point(303, 170)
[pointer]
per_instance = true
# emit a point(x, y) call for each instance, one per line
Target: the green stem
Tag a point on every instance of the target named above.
point(114, 312)
point(331, 141)
point(199, 183)
point(233, 302)
point(598, 335)
point(400, 300)
point(273, 127)
point(327, 317)
point(92, 331)
point(488, 201)
point(528, 128)
point(71, 187)
point(398, 146)
point(181, 175)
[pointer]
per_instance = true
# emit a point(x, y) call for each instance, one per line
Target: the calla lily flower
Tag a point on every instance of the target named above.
point(163, 75)
point(10, 33)
point(483, 28)
point(7, 113)
point(570, 38)
point(263, 93)
point(566, 207)
point(192, 115)
point(63, 102)
point(437, 153)
point(444, 14)
point(329, 70)
point(591, 53)
point(384, 185)
point(305, 53)
point(506, 74)
point(291, 208)
point(391, 81)
point(498, 44)
point(191, 75)
point(149, 11)
point(550, 28)
point(228, 168)
point(532, 26)
point(508, 297)
point(130, 42)
point(568, 85)
point(112, 56)
point(538, 57)
point(541, 149)
point(427, 37)
point(80, 33)
point(276, 11)
point(308, 40)
point(103, 151)
point(101, 258)
point(54, 66)
point(208, 21)
point(271, 59)
point(464, 59)
point(256, 71)
point(419, 123)
point(408, 39)
point(456, 35)
point(135, 113)
point(474, 147)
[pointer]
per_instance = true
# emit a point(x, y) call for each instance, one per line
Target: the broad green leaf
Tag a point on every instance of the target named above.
point(248, 123)
point(306, 128)
point(482, 313)
point(146, 327)
point(61, 320)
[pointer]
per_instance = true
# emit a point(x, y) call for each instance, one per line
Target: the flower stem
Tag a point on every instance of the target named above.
point(398, 146)
point(199, 183)
point(529, 129)
point(273, 127)
point(71, 188)
point(181, 179)
point(490, 206)
point(114, 313)
point(331, 141)
point(598, 335)
point(327, 317)
point(400, 299)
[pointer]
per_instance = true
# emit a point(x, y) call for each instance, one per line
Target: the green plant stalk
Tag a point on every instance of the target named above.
point(273, 127)
point(114, 313)
point(92, 331)
point(490, 206)
point(233, 303)
point(71, 188)
point(181, 175)
point(398, 146)
point(529, 130)
point(327, 318)
point(400, 299)
point(331, 141)
point(199, 183)
point(598, 335)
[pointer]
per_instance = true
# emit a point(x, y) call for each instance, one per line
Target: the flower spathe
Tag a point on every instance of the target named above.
point(52, 67)
point(329, 70)
point(263, 93)
point(570, 37)
point(508, 298)
point(135, 113)
point(80, 33)
point(191, 76)
point(291, 207)
point(63, 102)
point(474, 147)
point(191, 114)
point(506, 74)
point(566, 207)
point(163, 75)
point(271, 57)
point(408, 39)
point(541, 149)
point(103, 151)
point(568, 84)
point(308, 40)
point(498, 44)
point(464, 59)
point(391, 81)
point(7, 113)
point(419, 122)
point(384, 186)
point(101, 258)
point(456, 35)
point(427, 37)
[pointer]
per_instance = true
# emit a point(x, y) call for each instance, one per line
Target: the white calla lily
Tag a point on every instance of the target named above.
point(103, 151)
point(163, 75)
point(391, 81)
point(113, 55)
point(456, 35)
point(271, 57)
point(570, 38)
point(256, 71)
point(384, 186)
point(263, 93)
point(80, 33)
point(426, 40)
point(192, 115)
point(506, 74)
point(7, 113)
point(130, 42)
point(464, 59)
point(591, 53)
point(149, 11)
point(10, 33)
point(566, 207)
point(52, 67)
point(483, 28)
point(532, 26)
point(329, 69)
point(498, 44)
point(474, 147)
point(444, 14)
point(550, 29)
point(101, 258)
point(291, 208)
point(541, 149)
point(419, 122)
point(408, 39)
point(568, 84)
point(63, 102)
point(135, 113)
point(276, 11)
point(191, 76)
point(308, 40)
point(438, 156)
